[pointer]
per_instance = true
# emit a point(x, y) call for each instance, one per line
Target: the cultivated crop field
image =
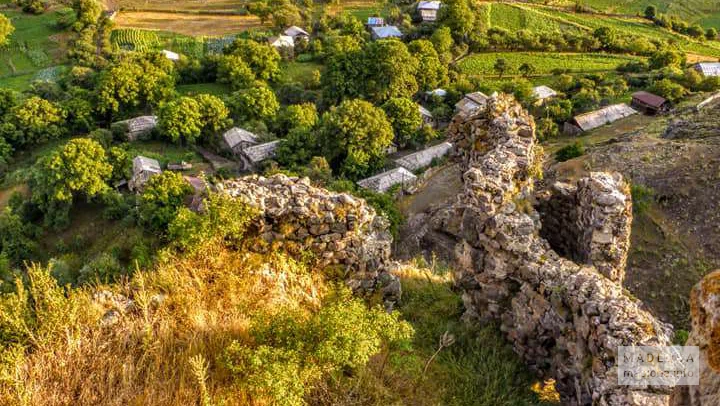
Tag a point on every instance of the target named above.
point(187, 24)
point(205, 6)
point(510, 17)
point(544, 63)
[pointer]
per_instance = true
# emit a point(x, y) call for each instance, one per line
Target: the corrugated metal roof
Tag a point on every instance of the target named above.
point(375, 21)
point(259, 153)
point(437, 92)
point(145, 164)
point(282, 41)
point(142, 123)
point(235, 136)
point(428, 5)
point(607, 115)
point(294, 31)
point(543, 92)
point(708, 68)
point(171, 55)
point(384, 181)
point(471, 101)
point(388, 31)
point(424, 111)
point(649, 99)
point(424, 158)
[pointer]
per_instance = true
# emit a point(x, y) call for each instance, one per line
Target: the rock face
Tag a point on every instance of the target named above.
point(337, 228)
point(705, 311)
point(564, 318)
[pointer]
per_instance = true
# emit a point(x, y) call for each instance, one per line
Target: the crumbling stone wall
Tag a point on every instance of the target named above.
point(589, 222)
point(337, 228)
point(565, 319)
point(705, 312)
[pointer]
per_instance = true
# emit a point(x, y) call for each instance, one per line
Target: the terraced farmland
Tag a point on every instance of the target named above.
point(510, 17)
point(544, 63)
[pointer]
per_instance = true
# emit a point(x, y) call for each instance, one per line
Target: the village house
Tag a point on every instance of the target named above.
point(649, 103)
point(427, 117)
point(428, 10)
point(143, 169)
point(252, 156)
point(282, 41)
point(708, 69)
point(375, 22)
point(384, 181)
point(471, 102)
point(296, 33)
point(236, 139)
point(171, 55)
point(543, 94)
point(135, 128)
point(589, 121)
point(423, 159)
point(384, 32)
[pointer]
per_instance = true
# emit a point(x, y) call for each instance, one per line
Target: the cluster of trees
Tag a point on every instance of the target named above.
point(678, 25)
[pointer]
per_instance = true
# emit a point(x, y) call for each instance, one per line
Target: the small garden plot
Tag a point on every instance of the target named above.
point(543, 63)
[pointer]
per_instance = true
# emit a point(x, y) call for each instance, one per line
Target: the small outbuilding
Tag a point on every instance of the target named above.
point(252, 156)
point(383, 182)
point(135, 128)
point(143, 169)
point(436, 93)
point(296, 32)
point(649, 103)
point(282, 41)
point(708, 69)
point(543, 93)
point(428, 10)
point(384, 32)
point(589, 121)
point(471, 102)
point(375, 22)
point(171, 55)
point(237, 139)
point(423, 159)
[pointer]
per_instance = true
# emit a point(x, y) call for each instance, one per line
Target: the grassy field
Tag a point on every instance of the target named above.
point(206, 6)
point(703, 11)
point(544, 63)
point(507, 16)
point(37, 43)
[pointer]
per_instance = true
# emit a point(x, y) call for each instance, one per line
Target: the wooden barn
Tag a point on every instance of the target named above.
point(649, 103)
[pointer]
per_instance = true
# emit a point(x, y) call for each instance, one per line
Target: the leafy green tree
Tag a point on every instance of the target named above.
point(391, 71)
point(6, 151)
point(711, 34)
point(664, 59)
point(606, 35)
point(354, 137)
point(214, 114)
point(298, 116)
point(80, 167)
point(121, 163)
point(344, 76)
point(6, 29)
point(459, 17)
point(443, 42)
point(431, 72)
point(8, 100)
point(180, 120)
point(696, 31)
point(16, 243)
point(162, 197)
point(522, 89)
point(256, 103)
point(233, 70)
point(34, 121)
point(87, 12)
point(298, 147)
point(526, 69)
point(547, 128)
point(405, 118)
point(668, 89)
point(263, 59)
point(651, 12)
point(501, 66)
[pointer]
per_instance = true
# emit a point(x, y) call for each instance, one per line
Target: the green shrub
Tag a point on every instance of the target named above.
point(642, 197)
point(569, 152)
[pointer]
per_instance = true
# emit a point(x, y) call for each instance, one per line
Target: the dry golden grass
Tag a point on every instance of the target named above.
point(187, 24)
point(171, 5)
point(151, 355)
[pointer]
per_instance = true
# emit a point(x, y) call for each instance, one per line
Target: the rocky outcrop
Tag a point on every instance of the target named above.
point(566, 319)
point(705, 311)
point(338, 229)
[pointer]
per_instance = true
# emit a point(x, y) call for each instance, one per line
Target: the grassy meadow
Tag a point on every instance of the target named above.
point(544, 63)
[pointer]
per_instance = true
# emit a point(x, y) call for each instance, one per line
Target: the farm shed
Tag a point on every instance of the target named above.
point(143, 169)
point(296, 32)
point(236, 139)
point(649, 103)
point(384, 181)
point(543, 93)
point(388, 31)
point(424, 158)
point(135, 128)
point(254, 155)
point(282, 41)
point(375, 22)
point(589, 121)
point(471, 101)
point(437, 92)
point(428, 10)
point(427, 117)
point(171, 55)
point(708, 69)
